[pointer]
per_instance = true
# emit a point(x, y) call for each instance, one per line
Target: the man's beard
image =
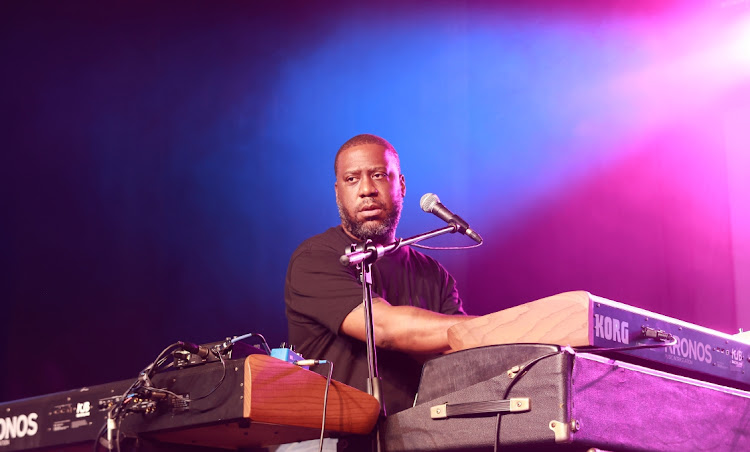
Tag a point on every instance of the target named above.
point(377, 230)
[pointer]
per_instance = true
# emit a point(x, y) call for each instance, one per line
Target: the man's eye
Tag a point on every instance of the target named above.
point(350, 179)
point(378, 175)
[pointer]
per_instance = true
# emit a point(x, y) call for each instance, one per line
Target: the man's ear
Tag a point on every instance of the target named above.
point(402, 181)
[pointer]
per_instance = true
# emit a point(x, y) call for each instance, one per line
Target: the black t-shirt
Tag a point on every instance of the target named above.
point(320, 293)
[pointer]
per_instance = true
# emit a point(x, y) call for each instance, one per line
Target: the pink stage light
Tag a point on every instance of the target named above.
point(739, 48)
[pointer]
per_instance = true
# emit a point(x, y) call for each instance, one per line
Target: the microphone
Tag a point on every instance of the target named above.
point(430, 203)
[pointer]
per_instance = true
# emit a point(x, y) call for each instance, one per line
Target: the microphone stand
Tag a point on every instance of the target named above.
point(363, 256)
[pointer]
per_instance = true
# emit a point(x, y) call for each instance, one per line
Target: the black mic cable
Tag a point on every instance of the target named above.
point(314, 362)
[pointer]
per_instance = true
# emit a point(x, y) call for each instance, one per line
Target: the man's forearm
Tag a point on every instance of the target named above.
point(404, 328)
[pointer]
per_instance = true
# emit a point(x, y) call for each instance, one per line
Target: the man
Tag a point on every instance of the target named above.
point(415, 300)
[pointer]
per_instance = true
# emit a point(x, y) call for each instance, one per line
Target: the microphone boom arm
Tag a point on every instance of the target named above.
point(373, 252)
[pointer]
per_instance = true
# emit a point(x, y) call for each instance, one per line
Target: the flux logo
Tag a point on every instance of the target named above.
point(18, 427)
point(611, 329)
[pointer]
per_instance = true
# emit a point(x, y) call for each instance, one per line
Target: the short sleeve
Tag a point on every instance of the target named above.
point(320, 289)
point(451, 303)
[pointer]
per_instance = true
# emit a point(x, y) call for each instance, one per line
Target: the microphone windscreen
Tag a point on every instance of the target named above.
point(428, 201)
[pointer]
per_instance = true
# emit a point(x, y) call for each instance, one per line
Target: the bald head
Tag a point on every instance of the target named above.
point(362, 139)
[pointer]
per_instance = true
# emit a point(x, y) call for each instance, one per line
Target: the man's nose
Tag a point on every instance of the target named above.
point(367, 187)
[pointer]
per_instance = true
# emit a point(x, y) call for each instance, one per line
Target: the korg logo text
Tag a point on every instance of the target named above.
point(606, 327)
point(18, 426)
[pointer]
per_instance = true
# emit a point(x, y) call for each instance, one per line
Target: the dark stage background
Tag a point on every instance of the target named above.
point(162, 160)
